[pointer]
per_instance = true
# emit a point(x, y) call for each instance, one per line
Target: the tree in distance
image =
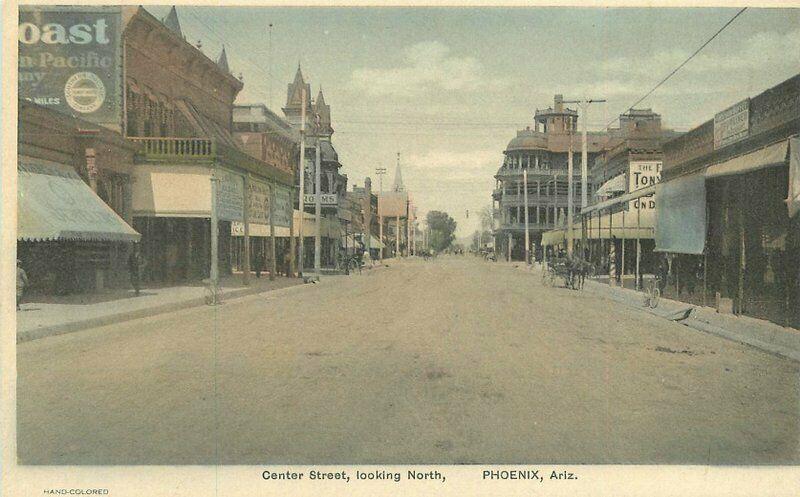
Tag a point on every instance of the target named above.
point(442, 230)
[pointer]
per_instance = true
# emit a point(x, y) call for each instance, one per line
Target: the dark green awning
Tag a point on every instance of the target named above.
point(53, 203)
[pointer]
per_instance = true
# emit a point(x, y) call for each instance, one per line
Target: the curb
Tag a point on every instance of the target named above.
point(62, 329)
point(765, 336)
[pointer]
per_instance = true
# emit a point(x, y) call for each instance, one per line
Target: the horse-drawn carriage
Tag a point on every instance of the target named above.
point(573, 270)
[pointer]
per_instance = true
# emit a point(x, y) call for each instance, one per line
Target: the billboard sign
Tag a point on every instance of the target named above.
point(732, 124)
point(70, 60)
point(258, 201)
point(643, 174)
point(230, 196)
point(283, 206)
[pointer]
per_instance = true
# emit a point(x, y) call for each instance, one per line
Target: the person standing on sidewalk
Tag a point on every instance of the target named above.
point(135, 268)
point(22, 282)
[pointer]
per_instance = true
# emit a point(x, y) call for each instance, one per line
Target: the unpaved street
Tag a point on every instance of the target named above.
point(456, 360)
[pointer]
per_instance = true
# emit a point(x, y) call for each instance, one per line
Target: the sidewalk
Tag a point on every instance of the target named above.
point(758, 333)
point(48, 316)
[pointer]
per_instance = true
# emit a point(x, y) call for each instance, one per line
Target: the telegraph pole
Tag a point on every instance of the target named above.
point(584, 106)
point(302, 169)
point(570, 199)
point(380, 171)
point(527, 225)
point(214, 273)
point(318, 212)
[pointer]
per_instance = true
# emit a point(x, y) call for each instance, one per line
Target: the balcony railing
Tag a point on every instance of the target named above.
point(176, 147)
point(521, 226)
point(206, 149)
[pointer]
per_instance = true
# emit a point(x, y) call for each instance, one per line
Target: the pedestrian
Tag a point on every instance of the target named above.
point(287, 263)
point(259, 259)
point(22, 282)
point(135, 268)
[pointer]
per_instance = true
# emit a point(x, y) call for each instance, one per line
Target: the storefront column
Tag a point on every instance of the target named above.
point(246, 221)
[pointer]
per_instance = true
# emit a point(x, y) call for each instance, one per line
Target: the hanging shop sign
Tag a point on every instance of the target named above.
point(642, 174)
point(70, 60)
point(326, 199)
point(732, 124)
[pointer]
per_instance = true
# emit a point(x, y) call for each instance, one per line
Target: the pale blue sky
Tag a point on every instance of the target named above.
point(449, 87)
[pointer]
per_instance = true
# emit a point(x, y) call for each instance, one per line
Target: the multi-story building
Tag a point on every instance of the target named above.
point(633, 164)
point(178, 107)
point(333, 184)
point(543, 152)
point(728, 208)
point(269, 138)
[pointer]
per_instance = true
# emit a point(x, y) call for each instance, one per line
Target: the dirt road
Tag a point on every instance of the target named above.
point(455, 360)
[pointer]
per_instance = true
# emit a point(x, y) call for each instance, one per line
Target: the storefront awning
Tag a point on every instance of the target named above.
point(554, 237)
point(773, 155)
point(681, 215)
point(374, 243)
point(55, 204)
point(793, 200)
point(614, 185)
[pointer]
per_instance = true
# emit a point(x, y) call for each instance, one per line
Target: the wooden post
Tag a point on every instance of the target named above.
point(274, 266)
point(246, 221)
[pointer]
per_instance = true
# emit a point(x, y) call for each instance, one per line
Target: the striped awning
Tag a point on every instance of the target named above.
point(53, 203)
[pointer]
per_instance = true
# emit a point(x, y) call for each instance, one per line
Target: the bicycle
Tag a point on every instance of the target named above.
point(652, 293)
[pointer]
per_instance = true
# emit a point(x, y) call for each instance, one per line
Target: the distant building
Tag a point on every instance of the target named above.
point(543, 151)
point(333, 184)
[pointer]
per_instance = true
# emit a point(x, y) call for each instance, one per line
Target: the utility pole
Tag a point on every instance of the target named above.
point(584, 107)
point(214, 273)
point(570, 199)
point(527, 225)
point(318, 212)
point(368, 218)
point(302, 169)
point(380, 171)
point(274, 266)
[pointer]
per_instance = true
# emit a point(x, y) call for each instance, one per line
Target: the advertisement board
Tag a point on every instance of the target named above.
point(642, 174)
point(230, 196)
point(258, 201)
point(70, 60)
point(283, 206)
point(732, 124)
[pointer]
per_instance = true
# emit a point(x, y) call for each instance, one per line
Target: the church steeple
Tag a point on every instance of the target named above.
point(171, 21)
point(294, 99)
point(398, 177)
point(222, 60)
point(324, 111)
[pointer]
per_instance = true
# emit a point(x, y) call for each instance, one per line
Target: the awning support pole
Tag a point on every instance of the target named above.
point(622, 269)
point(214, 272)
point(246, 220)
point(274, 266)
point(638, 244)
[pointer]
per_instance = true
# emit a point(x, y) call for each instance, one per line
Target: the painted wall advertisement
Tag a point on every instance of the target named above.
point(70, 60)
point(642, 174)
